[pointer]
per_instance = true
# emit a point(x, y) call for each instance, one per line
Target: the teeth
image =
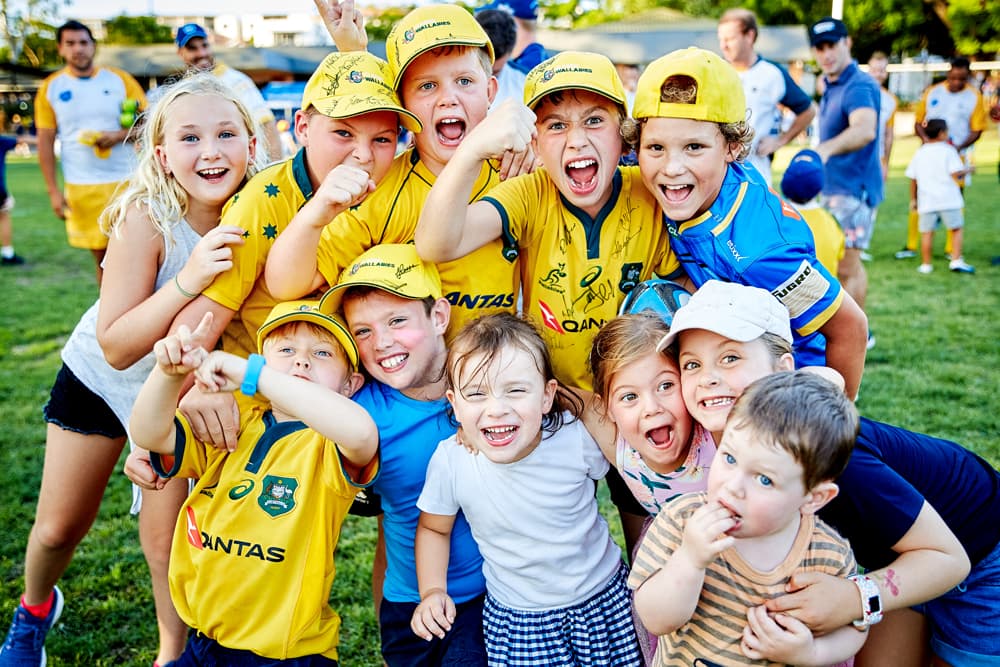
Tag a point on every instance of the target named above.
point(212, 172)
point(393, 362)
point(674, 187)
point(580, 164)
point(716, 402)
point(499, 430)
point(448, 121)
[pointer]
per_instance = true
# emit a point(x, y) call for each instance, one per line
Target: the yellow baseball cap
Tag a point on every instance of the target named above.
point(719, 99)
point(353, 83)
point(574, 70)
point(393, 267)
point(308, 311)
point(429, 27)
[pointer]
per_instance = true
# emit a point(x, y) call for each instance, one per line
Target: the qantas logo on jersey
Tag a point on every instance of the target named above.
point(561, 327)
point(479, 301)
point(242, 548)
point(193, 534)
point(549, 318)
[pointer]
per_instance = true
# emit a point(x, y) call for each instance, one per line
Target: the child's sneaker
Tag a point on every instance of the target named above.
point(13, 260)
point(959, 266)
point(905, 253)
point(925, 268)
point(25, 644)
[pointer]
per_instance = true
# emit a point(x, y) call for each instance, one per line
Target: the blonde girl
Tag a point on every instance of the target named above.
point(196, 149)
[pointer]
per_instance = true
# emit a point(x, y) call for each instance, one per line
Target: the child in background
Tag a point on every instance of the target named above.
point(725, 223)
point(284, 491)
point(711, 559)
point(555, 580)
point(442, 69)
point(7, 255)
point(584, 230)
point(915, 509)
point(196, 150)
point(395, 310)
point(935, 172)
point(801, 184)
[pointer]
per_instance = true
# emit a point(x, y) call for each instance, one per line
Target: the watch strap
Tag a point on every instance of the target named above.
point(255, 363)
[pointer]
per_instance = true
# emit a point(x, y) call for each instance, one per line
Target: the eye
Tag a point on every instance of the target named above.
point(628, 397)
point(694, 146)
point(765, 480)
point(730, 358)
point(594, 120)
point(666, 385)
point(690, 366)
point(653, 148)
point(473, 394)
point(465, 81)
point(556, 126)
point(397, 321)
point(361, 332)
point(729, 459)
point(384, 140)
point(286, 349)
point(427, 86)
point(324, 353)
point(227, 134)
point(189, 138)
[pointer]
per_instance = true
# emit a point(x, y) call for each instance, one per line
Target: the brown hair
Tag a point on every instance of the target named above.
point(621, 342)
point(743, 16)
point(804, 414)
point(488, 336)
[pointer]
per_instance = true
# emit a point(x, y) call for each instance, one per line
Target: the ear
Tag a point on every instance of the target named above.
point(491, 88)
point(252, 148)
point(549, 395)
point(161, 155)
point(441, 315)
point(733, 151)
point(302, 128)
point(352, 383)
point(818, 497)
point(785, 362)
point(450, 395)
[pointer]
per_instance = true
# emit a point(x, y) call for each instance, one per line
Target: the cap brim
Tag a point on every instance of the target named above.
point(457, 41)
point(575, 86)
point(320, 319)
point(331, 301)
point(406, 119)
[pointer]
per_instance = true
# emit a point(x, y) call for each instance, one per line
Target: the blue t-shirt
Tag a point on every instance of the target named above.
point(532, 55)
point(409, 432)
point(858, 173)
point(892, 472)
point(7, 144)
point(751, 236)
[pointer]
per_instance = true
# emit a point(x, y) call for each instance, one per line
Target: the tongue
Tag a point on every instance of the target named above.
point(452, 131)
point(676, 195)
point(582, 175)
point(660, 436)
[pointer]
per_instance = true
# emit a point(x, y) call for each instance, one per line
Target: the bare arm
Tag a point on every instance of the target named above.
point(436, 612)
point(345, 25)
point(969, 140)
point(846, 335)
point(450, 227)
point(930, 562)
point(600, 427)
point(132, 317)
point(861, 130)
point(47, 163)
point(770, 144)
point(785, 639)
point(291, 270)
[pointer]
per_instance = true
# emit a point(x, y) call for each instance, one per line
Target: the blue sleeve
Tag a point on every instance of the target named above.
point(795, 98)
point(862, 95)
point(7, 144)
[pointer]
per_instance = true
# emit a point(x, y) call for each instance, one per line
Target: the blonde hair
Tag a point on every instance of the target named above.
point(620, 343)
point(150, 188)
point(683, 89)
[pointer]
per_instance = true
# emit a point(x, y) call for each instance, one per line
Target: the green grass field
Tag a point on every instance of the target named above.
point(934, 370)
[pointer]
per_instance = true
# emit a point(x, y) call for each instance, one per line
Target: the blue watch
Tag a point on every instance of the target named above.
point(255, 363)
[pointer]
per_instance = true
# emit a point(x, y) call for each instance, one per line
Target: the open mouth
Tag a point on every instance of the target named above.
point(213, 175)
point(498, 436)
point(676, 194)
point(582, 176)
point(450, 131)
point(736, 517)
point(717, 402)
point(393, 363)
point(660, 438)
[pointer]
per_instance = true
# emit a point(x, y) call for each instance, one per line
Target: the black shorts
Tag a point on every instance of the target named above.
point(74, 407)
point(621, 495)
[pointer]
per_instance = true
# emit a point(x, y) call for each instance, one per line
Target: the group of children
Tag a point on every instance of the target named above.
point(475, 434)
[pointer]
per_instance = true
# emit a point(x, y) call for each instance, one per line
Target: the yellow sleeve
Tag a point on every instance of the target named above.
point(920, 113)
point(133, 90)
point(45, 115)
point(980, 114)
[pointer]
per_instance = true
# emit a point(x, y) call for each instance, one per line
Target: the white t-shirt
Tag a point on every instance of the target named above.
point(510, 83)
point(543, 541)
point(931, 167)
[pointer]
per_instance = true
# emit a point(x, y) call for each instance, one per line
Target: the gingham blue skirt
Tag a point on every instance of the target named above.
point(596, 632)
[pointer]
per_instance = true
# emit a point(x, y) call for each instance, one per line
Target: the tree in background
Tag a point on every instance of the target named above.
point(28, 34)
point(136, 30)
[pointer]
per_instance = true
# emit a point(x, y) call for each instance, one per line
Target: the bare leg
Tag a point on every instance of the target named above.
point(98, 258)
point(956, 243)
point(926, 246)
point(156, 528)
point(76, 472)
point(6, 229)
point(852, 275)
point(902, 639)
point(378, 569)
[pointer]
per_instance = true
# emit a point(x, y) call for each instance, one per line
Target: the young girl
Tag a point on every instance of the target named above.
point(655, 445)
point(196, 149)
point(554, 577)
point(916, 509)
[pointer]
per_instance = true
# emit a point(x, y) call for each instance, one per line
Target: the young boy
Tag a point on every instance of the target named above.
point(710, 560)
point(394, 308)
point(584, 230)
point(801, 185)
point(442, 68)
point(252, 561)
point(935, 173)
point(724, 222)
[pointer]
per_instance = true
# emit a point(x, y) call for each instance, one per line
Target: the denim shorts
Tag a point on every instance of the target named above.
point(462, 646)
point(200, 651)
point(855, 217)
point(965, 620)
point(951, 218)
point(74, 407)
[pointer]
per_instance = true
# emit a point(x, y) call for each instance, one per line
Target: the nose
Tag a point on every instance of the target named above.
point(495, 405)
point(302, 359)
point(383, 338)
point(362, 153)
point(650, 406)
point(577, 135)
point(708, 378)
point(448, 95)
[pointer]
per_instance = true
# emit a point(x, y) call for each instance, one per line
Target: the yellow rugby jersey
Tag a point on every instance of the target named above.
point(482, 282)
point(827, 234)
point(263, 208)
point(252, 559)
point(964, 111)
point(575, 271)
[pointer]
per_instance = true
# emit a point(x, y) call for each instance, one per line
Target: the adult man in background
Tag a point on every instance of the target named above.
point(85, 107)
point(500, 28)
point(527, 52)
point(196, 51)
point(961, 106)
point(849, 146)
point(767, 87)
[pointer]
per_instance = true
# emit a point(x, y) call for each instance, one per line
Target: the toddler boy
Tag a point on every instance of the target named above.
point(801, 185)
